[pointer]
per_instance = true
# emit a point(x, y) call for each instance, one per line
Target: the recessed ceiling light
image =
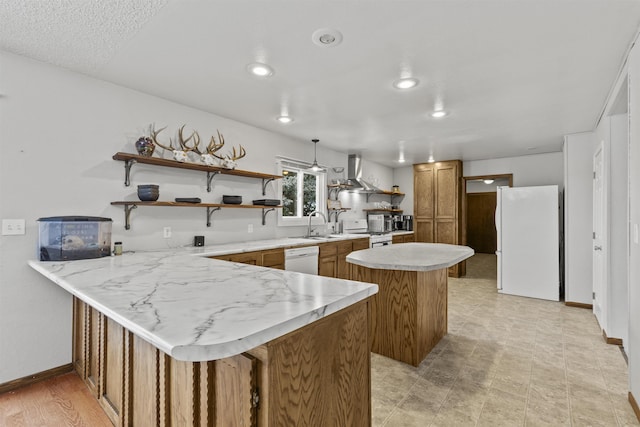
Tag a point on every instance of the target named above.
point(285, 119)
point(439, 114)
point(406, 83)
point(259, 69)
point(326, 37)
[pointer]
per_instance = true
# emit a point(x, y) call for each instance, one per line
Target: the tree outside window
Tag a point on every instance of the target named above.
point(299, 192)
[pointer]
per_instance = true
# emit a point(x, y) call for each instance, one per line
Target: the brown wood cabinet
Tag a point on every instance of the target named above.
point(332, 260)
point(402, 238)
point(360, 244)
point(273, 258)
point(438, 213)
point(316, 375)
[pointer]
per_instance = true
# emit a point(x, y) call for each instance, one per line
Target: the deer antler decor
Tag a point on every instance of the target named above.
point(178, 155)
point(192, 144)
point(228, 161)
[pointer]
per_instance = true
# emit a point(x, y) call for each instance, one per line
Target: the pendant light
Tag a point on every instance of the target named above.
point(315, 167)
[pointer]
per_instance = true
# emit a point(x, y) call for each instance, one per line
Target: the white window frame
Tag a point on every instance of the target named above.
point(321, 191)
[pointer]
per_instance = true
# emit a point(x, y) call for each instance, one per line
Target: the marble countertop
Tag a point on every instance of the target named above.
point(195, 308)
point(284, 242)
point(411, 256)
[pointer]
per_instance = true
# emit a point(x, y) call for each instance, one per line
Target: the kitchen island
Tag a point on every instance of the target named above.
point(164, 338)
point(409, 313)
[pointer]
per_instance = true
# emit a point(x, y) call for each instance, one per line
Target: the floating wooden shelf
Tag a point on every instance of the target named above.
point(385, 193)
point(211, 171)
point(390, 193)
point(129, 205)
point(383, 210)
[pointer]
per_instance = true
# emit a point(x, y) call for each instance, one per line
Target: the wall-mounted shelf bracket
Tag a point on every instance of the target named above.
point(127, 215)
point(266, 181)
point(210, 211)
point(127, 171)
point(210, 176)
point(265, 211)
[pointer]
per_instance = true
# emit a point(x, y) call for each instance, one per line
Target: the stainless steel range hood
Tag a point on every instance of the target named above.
point(354, 175)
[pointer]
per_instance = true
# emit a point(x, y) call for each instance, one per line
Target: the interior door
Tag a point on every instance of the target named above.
point(599, 249)
point(481, 225)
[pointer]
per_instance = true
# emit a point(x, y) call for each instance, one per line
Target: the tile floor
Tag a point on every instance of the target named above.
point(507, 361)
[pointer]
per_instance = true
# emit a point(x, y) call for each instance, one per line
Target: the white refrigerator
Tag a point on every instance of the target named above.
point(527, 222)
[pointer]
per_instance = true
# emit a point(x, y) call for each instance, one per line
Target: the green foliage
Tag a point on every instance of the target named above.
point(290, 193)
point(309, 194)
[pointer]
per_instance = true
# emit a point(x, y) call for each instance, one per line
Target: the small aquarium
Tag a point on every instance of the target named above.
point(63, 238)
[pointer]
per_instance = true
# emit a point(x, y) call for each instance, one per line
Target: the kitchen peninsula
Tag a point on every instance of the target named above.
point(166, 338)
point(409, 313)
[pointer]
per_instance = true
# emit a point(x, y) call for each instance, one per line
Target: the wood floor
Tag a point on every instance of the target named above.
point(60, 401)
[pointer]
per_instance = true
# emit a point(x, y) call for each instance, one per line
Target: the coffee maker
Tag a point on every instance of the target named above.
point(407, 222)
point(398, 223)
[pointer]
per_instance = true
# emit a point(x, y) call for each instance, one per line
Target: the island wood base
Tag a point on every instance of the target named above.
point(316, 375)
point(409, 312)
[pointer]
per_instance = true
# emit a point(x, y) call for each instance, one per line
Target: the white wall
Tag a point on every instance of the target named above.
point(634, 213)
point(536, 169)
point(58, 133)
point(403, 177)
point(578, 198)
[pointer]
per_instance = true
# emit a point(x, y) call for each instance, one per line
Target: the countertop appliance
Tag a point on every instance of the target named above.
point(398, 223)
point(63, 238)
point(528, 255)
point(302, 260)
point(360, 226)
point(376, 223)
point(407, 222)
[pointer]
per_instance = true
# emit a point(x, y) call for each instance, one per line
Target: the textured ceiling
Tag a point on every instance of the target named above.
point(515, 75)
point(81, 35)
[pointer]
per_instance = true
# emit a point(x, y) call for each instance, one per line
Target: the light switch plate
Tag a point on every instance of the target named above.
point(13, 227)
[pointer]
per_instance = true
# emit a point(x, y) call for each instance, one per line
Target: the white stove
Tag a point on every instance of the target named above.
point(360, 226)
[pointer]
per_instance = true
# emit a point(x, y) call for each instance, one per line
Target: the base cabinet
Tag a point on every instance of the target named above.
point(316, 375)
point(332, 260)
point(402, 238)
point(273, 258)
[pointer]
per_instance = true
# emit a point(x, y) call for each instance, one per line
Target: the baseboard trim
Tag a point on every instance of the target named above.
point(610, 340)
point(35, 378)
point(634, 406)
point(578, 305)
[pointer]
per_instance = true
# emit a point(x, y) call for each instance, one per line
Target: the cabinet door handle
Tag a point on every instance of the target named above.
point(597, 248)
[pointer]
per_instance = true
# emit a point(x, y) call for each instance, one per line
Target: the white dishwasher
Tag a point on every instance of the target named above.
point(302, 260)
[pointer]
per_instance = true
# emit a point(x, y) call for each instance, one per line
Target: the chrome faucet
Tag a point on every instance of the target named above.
point(310, 215)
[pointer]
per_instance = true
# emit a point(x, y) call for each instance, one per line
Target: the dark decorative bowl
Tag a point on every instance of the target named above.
point(148, 193)
point(232, 200)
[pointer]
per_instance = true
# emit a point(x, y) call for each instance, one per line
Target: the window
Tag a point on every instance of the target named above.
point(302, 191)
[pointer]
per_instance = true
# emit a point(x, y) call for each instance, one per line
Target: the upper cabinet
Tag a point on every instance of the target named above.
point(438, 205)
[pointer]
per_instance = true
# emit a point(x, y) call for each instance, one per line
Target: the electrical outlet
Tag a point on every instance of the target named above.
point(13, 227)
point(250, 228)
point(167, 232)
